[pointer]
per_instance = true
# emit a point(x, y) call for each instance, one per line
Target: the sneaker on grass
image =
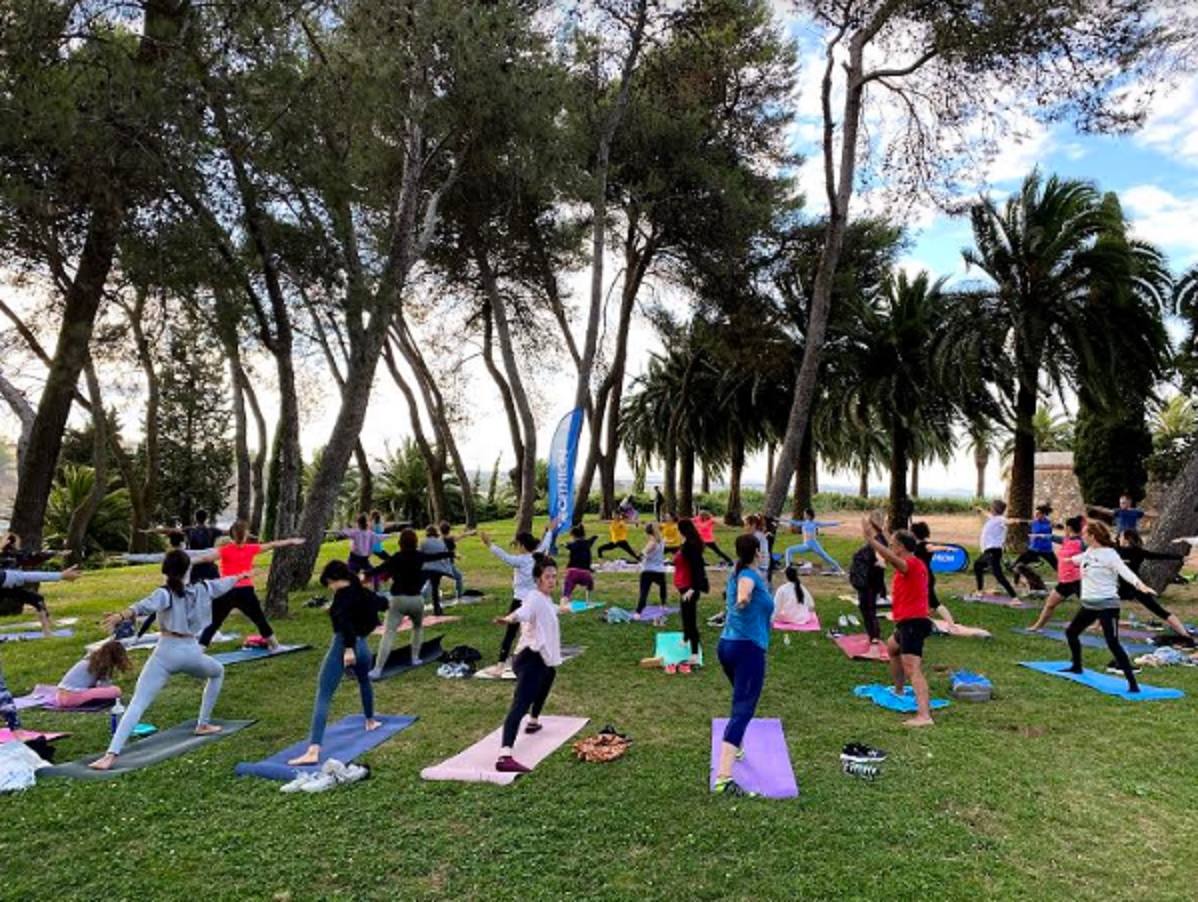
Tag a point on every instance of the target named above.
point(730, 787)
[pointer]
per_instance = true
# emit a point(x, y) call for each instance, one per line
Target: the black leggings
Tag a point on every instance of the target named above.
point(1109, 618)
point(509, 635)
point(992, 558)
point(690, 620)
point(13, 599)
point(434, 587)
point(241, 598)
point(867, 601)
point(534, 679)
point(650, 578)
point(622, 546)
point(716, 548)
point(1030, 557)
point(1150, 602)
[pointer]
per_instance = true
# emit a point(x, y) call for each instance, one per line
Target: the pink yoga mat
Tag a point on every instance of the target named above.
point(477, 763)
point(857, 646)
point(766, 769)
point(7, 735)
point(431, 620)
point(811, 626)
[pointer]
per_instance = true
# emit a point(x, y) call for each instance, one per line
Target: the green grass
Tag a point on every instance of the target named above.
point(1051, 791)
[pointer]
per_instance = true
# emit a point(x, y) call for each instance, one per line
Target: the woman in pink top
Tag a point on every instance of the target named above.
point(237, 556)
point(1069, 574)
point(705, 524)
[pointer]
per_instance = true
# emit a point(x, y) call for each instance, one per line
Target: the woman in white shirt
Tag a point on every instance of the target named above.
point(792, 602)
point(538, 655)
point(1102, 567)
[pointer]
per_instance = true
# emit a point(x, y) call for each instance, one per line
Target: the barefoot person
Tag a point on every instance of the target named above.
point(1069, 574)
point(748, 608)
point(355, 615)
point(991, 542)
point(407, 571)
point(538, 655)
point(237, 556)
point(183, 611)
point(1102, 568)
point(912, 625)
point(90, 679)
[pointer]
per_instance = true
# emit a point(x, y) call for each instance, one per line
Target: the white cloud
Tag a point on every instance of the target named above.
point(1163, 218)
point(1172, 126)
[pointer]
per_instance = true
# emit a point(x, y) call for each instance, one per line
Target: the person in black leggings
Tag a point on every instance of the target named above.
point(925, 551)
point(690, 579)
point(653, 567)
point(1134, 554)
point(869, 579)
point(994, 536)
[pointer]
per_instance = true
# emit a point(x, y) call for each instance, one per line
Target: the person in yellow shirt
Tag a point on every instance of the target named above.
point(670, 534)
point(617, 530)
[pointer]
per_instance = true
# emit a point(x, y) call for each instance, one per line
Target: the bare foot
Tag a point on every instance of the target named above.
point(104, 763)
point(372, 725)
point(205, 729)
point(919, 722)
point(312, 756)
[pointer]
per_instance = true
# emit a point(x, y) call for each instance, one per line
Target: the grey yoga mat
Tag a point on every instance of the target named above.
point(145, 752)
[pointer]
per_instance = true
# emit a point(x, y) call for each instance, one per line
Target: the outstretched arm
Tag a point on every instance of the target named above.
point(867, 530)
point(283, 543)
point(14, 578)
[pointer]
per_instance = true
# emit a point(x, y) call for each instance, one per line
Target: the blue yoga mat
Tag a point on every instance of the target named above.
point(884, 697)
point(1104, 683)
point(30, 635)
point(254, 654)
point(1089, 640)
point(345, 740)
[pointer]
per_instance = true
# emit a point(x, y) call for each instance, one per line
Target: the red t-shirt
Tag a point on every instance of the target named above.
point(909, 595)
point(706, 529)
point(682, 573)
point(236, 559)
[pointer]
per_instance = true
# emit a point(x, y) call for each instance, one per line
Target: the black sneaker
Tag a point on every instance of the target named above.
point(732, 788)
point(862, 754)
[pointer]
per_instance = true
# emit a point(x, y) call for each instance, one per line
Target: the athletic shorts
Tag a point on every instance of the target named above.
point(910, 635)
point(1069, 590)
point(576, 576)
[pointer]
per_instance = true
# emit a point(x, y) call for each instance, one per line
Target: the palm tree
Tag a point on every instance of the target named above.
point(1052, 432)
point(1042, 250)
point(108, 529)
point(982, 437)
point(1176, 420)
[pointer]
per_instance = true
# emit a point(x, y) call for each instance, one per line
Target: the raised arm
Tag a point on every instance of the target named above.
point(867, 530)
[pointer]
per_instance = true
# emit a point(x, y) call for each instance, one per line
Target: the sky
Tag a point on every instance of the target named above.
point(1154, 171)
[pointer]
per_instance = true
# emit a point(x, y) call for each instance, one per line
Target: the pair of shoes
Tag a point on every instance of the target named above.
point(684, 668)
point(509, 765)
point(842, 621)
point(332, 773)
point(732, 788)
point(1112, 667)
point(861, 753)
point(671, 669)
point(853, 621)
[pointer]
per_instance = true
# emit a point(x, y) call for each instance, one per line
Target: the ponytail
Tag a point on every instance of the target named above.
point(175, 566)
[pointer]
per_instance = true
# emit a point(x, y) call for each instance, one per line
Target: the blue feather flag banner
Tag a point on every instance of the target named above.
point(563, 453)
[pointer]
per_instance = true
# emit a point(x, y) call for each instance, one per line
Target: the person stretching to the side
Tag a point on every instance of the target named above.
point(523, 582)
point(538, 655)
point(355, 615)
point(748, 608)
point(994, 536)
point(1102, 569)
point(653, 567)
point(912, 625)
point(690, 579)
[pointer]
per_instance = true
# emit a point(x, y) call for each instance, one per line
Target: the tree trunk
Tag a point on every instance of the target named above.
point(980, 462)
point(241, 448)
point(770, 450)
point(1178, 517)
point(734, 513)
point(863, 485)
point(81, 517)
point(258, 466)
point(1023, 460)
point(163, 22)
point(670, 478)
point(434, 465)
point(814, 474)
point(365, 479)
point(899, 461)
point(23, 411)
point(802, 472)
point(915, 478)
point(686, 476)
point(704, 480)
point(840, 191)
point(505, 391)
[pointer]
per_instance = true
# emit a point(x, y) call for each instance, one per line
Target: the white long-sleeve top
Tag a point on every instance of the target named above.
point(1101, 570)
point(11, 579)
point(522, 579)
point(539, 627)
point(188, 613)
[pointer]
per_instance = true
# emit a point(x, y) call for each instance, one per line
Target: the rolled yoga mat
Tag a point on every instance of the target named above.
point(857, 646)
point(477, 763)
point(1089, 640)
point(145, 752)
point(766, 769)
point(241, 655)
point(345, 740)
point(884, 697)
point(1104, 683)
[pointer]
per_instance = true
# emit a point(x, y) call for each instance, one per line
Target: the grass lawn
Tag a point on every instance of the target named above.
point(1051, 791)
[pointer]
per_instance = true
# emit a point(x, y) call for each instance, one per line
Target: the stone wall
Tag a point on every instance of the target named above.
point(1057, 484)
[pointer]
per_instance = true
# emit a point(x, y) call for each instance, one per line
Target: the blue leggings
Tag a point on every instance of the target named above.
point(744, 665)
point(810, 546)
point(331, 672)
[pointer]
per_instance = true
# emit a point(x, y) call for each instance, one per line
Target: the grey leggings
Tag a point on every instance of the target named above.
point(412, 606)
point(171, 655)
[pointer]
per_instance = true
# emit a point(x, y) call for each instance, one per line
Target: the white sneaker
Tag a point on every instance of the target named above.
point(352, 773)
point(334, 768)
point(301, 778)
point(416, 662)
point(319, 783)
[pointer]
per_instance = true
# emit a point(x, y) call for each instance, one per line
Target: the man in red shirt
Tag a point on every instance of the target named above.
point(912, 625)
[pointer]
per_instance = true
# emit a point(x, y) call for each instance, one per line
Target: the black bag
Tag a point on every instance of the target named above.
point(862, 564)
point(462, 654)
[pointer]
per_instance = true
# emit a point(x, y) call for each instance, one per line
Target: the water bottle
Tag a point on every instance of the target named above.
point(115, 718)
point(786, 641)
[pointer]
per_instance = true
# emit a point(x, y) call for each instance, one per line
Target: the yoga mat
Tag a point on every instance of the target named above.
point(766, 769)
point(242, 655)
point(30, 635)
point(146, 752)
point(1089, 640)
point(497, 671)
point(811, 626)
point(430, 621)
point(400, 660)
point(477, 763)
point(577, 607)
point(857, 646)
point(1103, 682)
point(884, 697)
point(149, 640)
point(656, 612)
point(1125, 630)
point(7, 735)
point(673, 649)
point(45, 696)
point(345, 740)
point(1001, 601)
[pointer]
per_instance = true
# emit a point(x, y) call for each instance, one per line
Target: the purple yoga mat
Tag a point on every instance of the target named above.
point(766, 768)
point(656, 612)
